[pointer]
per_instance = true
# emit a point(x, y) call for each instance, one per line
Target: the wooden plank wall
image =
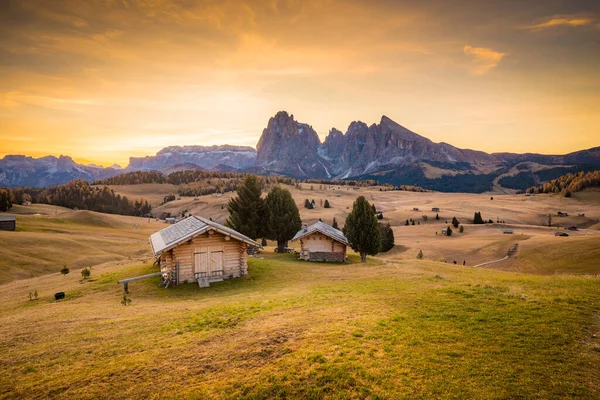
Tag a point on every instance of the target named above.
point(235, 261)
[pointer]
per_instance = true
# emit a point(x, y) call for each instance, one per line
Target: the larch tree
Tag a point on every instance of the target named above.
point(282, 216)
point(247, 209)
point(362, 230)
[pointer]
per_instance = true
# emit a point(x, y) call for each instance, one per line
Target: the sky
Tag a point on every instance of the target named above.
point(102, 80)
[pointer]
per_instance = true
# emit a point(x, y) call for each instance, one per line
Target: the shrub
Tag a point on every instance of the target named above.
point(455, 222)
point(380, 216)
point(462, 229)
point(85, 273)
point(327, 205)
point(420, 255)
point(449, 232)
point(65, 270)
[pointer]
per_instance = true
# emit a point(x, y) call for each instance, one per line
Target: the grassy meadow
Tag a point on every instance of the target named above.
point(395, 327)
point(305, 330)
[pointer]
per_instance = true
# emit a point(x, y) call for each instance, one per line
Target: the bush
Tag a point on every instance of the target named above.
point(85, 273)
point(455, 222)
point(420, 255)
point(327, 205)
point(65, 270)
point(462, 229)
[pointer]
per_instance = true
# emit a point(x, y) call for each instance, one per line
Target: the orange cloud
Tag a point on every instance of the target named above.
point(562, 21)
point(483, 59)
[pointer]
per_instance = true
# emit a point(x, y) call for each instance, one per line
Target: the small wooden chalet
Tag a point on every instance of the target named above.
point(321, 242)
point(435, 209)
point(200, 250)
point(8, 223)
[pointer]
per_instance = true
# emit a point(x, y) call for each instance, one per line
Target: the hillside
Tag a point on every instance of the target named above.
point(304, 330)
point(52, 237)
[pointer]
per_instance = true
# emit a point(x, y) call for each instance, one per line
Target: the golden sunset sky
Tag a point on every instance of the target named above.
point(104, 80)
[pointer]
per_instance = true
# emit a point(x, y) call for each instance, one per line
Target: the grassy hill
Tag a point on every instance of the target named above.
point(52, 236)
point(402, 329)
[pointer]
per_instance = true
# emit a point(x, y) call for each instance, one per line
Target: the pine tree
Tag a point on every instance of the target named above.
point(327, 205)
point(406, 223)
point(477, 218)
point(448, 231)
point(362, 230)
point(335, 224)
point(455, 222)
point(307, 204)
point(420, 255)
point(462, 229)
point(437, 217)
point(374, 209)
point(247, 209)
point(387, 237)
point(283, 217)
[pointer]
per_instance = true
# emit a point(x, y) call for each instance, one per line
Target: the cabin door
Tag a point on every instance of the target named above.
point(201, 262)
point(216, 261)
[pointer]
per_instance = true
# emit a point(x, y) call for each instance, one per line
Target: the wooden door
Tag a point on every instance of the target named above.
point(216, 261)
point(201, 262)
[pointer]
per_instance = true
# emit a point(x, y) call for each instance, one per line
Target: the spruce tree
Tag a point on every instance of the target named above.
point(406, 223)
point(335, 224)
point(387, 237)
point(455, 222)
point(420, 255)
point(247, 209)
point(362, 230)
point(283, 217)
point(437, 217)
point(327, 205)
point(477, 218)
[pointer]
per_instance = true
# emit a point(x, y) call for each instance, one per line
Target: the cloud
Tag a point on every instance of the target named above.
point(483, 59)
point(562, 21)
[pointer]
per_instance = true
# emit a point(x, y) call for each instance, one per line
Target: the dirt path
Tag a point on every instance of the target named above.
point(511, 252)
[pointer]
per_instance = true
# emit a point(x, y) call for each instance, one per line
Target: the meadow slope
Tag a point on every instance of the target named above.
point(402, 329)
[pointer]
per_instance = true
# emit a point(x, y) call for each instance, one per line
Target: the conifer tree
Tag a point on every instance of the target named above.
point(335, 224)
point(362, 230)
point(247, 209)
point(282, 216)
point(455, 222)
point(387, 237)
point(327, 205)
point(477, 218)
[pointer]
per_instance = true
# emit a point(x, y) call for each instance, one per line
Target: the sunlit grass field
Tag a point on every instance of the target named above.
point(291, 329)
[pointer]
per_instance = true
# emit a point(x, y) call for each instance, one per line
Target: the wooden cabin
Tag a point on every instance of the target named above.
point(8, 223)
point(321, 242)
point(435, 209)
point(508, 231)
point(200, 250)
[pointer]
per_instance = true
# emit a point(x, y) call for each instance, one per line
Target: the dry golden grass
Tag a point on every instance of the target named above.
point(43, 243)
point(293, 329)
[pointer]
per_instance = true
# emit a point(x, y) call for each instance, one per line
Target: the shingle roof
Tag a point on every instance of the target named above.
point(8, 218)
point(325, 229)
point(167, 238)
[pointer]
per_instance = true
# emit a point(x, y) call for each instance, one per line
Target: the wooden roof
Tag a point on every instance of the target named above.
point(323, 228)
point(184, 230)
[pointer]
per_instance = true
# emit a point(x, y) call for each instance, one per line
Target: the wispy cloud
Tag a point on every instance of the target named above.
point(562, 21)
point(483, 59)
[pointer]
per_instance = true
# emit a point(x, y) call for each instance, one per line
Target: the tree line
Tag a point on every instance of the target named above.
point(569, 183)
point(81, 195)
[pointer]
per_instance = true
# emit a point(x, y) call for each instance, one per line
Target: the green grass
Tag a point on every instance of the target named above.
point(295, 329)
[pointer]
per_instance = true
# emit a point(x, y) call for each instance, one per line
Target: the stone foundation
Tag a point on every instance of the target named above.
point(327, 256)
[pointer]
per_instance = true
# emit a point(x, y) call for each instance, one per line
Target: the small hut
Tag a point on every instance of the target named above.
point(321, 242)
point(200, 250)
point(8, 223)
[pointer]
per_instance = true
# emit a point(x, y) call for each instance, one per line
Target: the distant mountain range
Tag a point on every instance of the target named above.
point(387, 152)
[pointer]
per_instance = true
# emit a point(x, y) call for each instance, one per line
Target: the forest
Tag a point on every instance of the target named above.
point(569, 183)
point(79, 194)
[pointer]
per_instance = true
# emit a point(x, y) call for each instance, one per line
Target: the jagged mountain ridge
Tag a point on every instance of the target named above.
point(385, 151)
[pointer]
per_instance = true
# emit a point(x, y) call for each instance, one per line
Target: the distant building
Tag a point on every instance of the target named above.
point(170, 220)
point(561, 234)
point(435, 209)
point(563, 214)
point(508, 231)
point(321, 242)
point(572, 227)
point(8, 223)
point(415, 208)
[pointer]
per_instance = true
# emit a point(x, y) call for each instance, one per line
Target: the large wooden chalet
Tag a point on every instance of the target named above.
point(321, 242)
point(200, 250)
